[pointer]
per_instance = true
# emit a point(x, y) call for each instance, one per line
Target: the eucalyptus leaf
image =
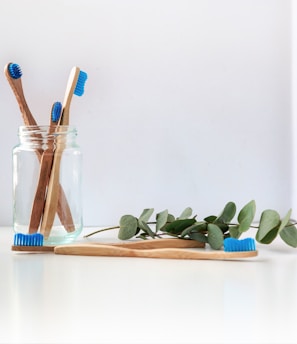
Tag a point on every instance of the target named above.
point(170, 218)
point(223, 227)
point(178, 226)
point(268, 226)
point(234, 232)
point(246, 216)
point(146, 214)
point(227, 214)
point(186, 213)
point(210, 219)
point(269, 237)
point(215, 236)
point(128, 227)
point(199, 237)
point(197, 227)
point(289, 235)
point(161, 219)
point(146, 228)
point(285, 221)
point(142, 236)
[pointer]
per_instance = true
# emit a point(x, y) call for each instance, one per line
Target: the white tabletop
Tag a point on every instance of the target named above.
point(47, 298)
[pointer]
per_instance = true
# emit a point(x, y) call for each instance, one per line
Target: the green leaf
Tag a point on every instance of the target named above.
point(234, 232)
point(285, 221)
point(146, 228)
point(170, 218)
point(128, 227)
point(186, 213)
point(215, 236)
point(146, 214)
point(161, 219)
point(178, 226)
point(227, 214)
point(223, 227)
point(268, 226)
point(198, 237)
point(197, 227)
point(289, 235)
point(210, 219)
point(246, 216)
point(142, 236)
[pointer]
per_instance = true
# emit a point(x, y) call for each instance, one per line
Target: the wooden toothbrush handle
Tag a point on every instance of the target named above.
point(165, 253)
point(62, 209)
point(53, 194)
point(141, 244)
point(38, 208)
point(160, 243)
point(39, 199)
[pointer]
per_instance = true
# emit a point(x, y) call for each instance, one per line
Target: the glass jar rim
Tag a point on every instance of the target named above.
point(47, 129)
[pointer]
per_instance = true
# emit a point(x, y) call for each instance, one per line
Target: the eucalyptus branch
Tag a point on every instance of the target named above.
point(212, 229)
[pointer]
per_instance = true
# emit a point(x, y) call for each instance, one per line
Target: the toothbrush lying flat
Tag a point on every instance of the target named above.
point(34, 243)
point(44, 172)
point(75, 86)
point(13, 74)
point(246, 250)
point(155, 248)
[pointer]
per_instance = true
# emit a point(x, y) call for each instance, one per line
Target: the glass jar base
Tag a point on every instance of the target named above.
point(58, 234)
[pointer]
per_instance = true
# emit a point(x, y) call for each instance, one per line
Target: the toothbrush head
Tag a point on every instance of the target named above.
point(236, 245)
point(80, 84)
point(56, 112)
point(14, 70)
point(35, 239)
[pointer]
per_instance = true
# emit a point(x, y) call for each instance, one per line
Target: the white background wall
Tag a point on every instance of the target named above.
point(188, 102)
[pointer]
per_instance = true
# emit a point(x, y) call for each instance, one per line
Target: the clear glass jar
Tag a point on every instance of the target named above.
point(47, 166)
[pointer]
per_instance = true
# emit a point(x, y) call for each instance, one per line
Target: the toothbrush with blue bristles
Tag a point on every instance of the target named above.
point(13, 73)
point(75, 85)
point(233, 249)
point(44, 171)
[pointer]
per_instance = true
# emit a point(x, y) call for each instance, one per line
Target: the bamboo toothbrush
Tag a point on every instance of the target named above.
point(34, 243)
point(243, 249)
point(13, 74)
point(75, 86)
point(44, 172)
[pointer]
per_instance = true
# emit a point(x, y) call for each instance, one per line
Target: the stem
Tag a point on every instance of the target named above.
point(101, 230)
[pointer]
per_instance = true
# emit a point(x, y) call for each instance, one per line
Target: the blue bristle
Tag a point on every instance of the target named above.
point(236, 245)
point(80, 85)
point(56, 112)
point(35, 239)
point(15, 70)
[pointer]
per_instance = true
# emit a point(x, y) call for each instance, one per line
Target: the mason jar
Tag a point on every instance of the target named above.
point(47, 195)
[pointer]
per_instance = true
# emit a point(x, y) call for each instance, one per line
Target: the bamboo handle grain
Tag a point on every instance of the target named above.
point(52, 197)
point(143, 244)
point(161, 243)
point(53, 187)
point(165, 253)
point(63, 208)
